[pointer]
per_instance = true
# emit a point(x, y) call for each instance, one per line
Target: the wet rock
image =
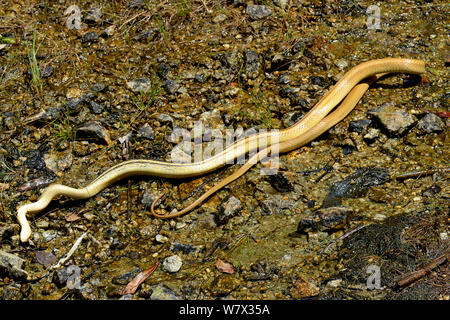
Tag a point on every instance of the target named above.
point(61, 275)
point(257, 12)
point(95, 131)
point(395, 120)
point(359, 125)
point(327, 219)
point(223, 285)
point(276, 205)
point(163, 70)
point(303, 289)
point(431, 123)
point(58, 161)
point(182, 247)
point(355, 185)
point(11, 265)
point(89, 37)
point(93, 16)
point(228, 209)
point(35, 160)
point(161, 292)
point(318, 80)
point(125, 278)
point(146, 132)
point(139, 85)
point(172, 264)
point(280, 182)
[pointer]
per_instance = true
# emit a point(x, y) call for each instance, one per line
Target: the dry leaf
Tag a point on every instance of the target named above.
point(45, 258)
point(223, 266)
point(138, 279)
point(72, 217)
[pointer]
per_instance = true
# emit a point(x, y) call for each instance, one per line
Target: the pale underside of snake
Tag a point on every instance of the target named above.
point(346, 92)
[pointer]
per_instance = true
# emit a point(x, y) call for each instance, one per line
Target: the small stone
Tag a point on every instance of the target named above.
point(341, 64)
point(372, 134)
point(172, 264)
point(96, 108)
point(164, 118)
point(94, 15)
point(303, 289)
point(359, 125)
point(257, 12)
point(147, 35)
point(430, 123)
point(161, 292)
point(395, 120)
point(171, 86)
point(89, 37)
point(228, 209)
point(220, 18)
point(11, 265)
point(335, 283)
point(61, 275)
point(443, 236)
point(49, 235)
point(379, 217)
point(146, 132)
point(94, 130)
point(327, 219)
point(181, 247)
point(161, 239)
point(108, 32)
point(139, 85)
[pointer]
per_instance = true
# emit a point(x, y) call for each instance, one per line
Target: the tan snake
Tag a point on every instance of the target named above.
point(314, 123)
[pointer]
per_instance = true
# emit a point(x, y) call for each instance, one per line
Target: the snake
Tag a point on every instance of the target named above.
point(345, 93)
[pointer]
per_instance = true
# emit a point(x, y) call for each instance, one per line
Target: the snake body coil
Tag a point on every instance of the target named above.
point(315, 122)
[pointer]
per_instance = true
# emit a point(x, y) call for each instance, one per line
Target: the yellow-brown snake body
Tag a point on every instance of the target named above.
point(308, 128)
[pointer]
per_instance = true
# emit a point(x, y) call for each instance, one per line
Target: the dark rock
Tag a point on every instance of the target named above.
point(163, 70)
point(359, 125)
point(46, 258)
point(228, 209)
point(98, 87)
point(181, 247)
point(355, 185)
point(171, 86)
point(46, 71)
point(95, 107)
point(89, 37)
point(35, 160)
point(126, 277)
point(431, 123)
point(61, 276)
point(280, 182)
point(257, 12)
point(147, 35)
point(252, 64)
point(93, 130)
point(327, 219)
point(318, 80)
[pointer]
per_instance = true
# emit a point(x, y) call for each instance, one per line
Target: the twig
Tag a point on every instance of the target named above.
point(345, 235)
point(422, 173)
point(416, 275)
point(70, 253)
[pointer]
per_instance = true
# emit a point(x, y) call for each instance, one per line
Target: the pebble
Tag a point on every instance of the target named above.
point(94, 130)
point(49, 235)
point(94, 15)
point(359, 125)
point(171, 86)
point(161, 292)
point(395, 120)
point(11, 265)
point(139, 85)
point(220, 18)
point(89, 37)
point(326, 219)
point(257, 12)
point(228, 209)
point(146, 132)
point(161, 239)
point(172, 264)
point(430, 123)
